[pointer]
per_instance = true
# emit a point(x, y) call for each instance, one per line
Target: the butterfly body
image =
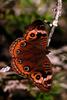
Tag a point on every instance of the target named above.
point(29, 58)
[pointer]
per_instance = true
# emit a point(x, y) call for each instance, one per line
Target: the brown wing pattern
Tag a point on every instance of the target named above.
point(29, 58)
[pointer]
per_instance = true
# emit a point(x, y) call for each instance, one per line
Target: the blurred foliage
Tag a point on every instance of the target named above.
point(22, 13)
point(38, 95)
point(49, 95)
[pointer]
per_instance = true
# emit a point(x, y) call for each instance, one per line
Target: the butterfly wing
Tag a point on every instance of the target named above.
point(42, 77)
point(21, 57)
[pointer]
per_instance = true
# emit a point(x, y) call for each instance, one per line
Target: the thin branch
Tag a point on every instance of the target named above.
point(5, 69)
point(56, 20)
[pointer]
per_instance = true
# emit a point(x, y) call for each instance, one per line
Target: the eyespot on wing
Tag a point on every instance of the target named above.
point(18, 47)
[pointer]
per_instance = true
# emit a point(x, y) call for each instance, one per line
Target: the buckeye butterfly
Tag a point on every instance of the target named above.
point(29, 55)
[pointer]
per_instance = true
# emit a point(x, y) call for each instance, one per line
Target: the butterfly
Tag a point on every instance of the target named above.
point(29, 55)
